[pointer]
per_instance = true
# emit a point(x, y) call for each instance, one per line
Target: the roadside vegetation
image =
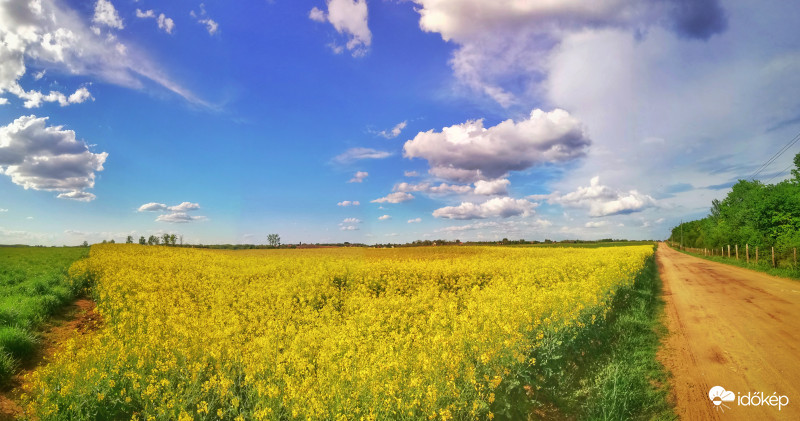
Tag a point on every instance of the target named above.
point(753, 215)
point(34, 283)
point(610, 372)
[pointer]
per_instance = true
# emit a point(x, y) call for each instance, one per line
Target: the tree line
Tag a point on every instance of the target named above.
point(764, 215)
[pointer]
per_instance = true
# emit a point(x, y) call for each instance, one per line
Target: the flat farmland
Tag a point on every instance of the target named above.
point(351, 333)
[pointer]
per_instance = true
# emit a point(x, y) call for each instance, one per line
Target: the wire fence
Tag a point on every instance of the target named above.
point(753, 255)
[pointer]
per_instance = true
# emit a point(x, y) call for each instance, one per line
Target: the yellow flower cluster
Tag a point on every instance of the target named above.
point(412, 333)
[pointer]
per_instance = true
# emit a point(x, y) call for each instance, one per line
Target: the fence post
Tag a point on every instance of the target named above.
point(756, 254)
point(747, 252)
point(729, 251)
point(795, 256)
point(773, 256)
point(737, 251)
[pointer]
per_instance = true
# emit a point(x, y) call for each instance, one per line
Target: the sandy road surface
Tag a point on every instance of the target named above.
point(729, 327)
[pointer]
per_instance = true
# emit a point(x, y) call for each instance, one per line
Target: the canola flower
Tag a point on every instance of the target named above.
point(326, 334)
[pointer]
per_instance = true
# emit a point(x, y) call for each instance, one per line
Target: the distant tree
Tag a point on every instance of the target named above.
point(129, 240)
point(142, 240)
point(173, 238)
point(105, 241)
point(165, 238)
point(274, 240)
point(153, 240)
point(111, 241)
point(85, 243)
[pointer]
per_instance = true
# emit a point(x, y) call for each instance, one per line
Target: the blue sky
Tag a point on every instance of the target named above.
point(441, 119)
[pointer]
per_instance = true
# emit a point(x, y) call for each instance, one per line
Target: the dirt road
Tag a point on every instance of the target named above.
point(734, 328)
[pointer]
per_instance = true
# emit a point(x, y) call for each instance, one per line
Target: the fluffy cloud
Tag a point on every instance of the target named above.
point(167, 24)
point(80, 196)
point(106, 14)
point(469, 152)
point(394, 132)
point(492, 187)
point(185, 206)
point(202, 18)
point(602, 200)
point(164, 23)
point(503, 207)
point(346, 203)
point(596, 224)
point(356, 154)
point(54, 36)
point(442, 188)
point(175, 214)
point(410, 173)
point(146, 14)
point(396, 197)
point(42, 157)
point(359, 177)
point(349, 18)
point(415, 221)
point(349, 224)
point(152, 207)
point(384, 217)
point(504, 44)
point(34, 99)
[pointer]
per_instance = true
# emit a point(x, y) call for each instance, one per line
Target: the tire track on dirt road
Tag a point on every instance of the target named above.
point(729, 327)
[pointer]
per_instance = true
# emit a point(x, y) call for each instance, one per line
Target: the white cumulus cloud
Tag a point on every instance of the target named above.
point(152, 207)
point(346, 203)
point(202, 18)
point(359, 177)
point(394, 131)
point(42, 157)
point(469, 152)
point(174, 214)
point(492, 187)
point(106, 14)
point(384, 217)
point(503, 44)
point(503, 207)
point(396, 197)
point(602, 200)
point(349, 18)
point(415, 221)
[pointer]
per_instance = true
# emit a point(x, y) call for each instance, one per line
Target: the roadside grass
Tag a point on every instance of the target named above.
point(764, 265)
point(609, 370)
point(34, 283)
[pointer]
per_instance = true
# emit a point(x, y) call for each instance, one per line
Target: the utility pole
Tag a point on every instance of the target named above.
point(681, 234)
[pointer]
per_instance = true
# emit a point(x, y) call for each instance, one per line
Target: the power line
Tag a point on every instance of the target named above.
point(780, 173)
point(776, 156)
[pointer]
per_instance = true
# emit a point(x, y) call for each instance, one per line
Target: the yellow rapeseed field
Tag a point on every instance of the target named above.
point(412, 333)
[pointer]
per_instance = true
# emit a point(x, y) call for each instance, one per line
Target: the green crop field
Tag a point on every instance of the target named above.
point(34, 283)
